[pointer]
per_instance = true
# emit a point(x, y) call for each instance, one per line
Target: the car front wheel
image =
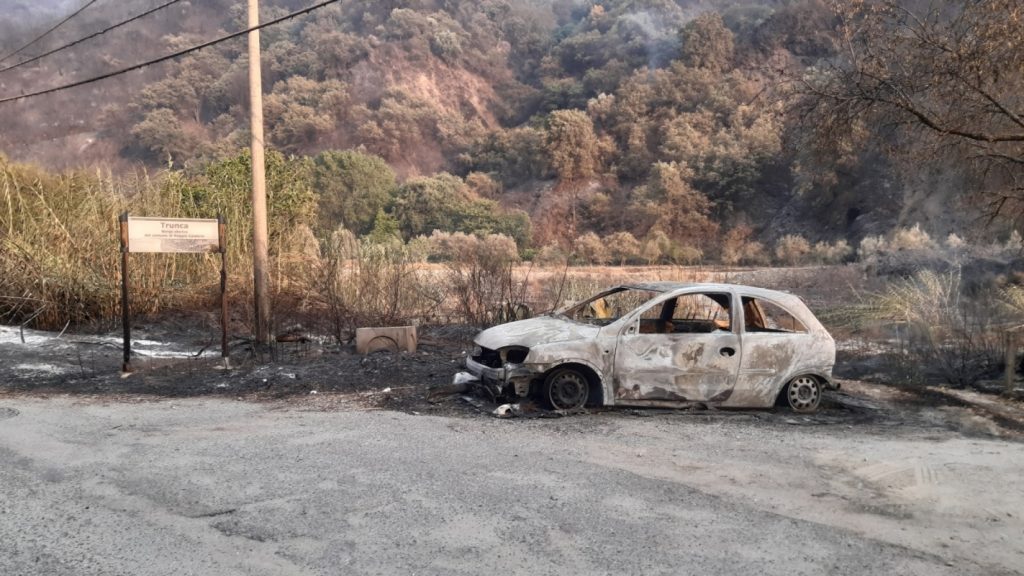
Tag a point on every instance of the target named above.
point(803, 394)
point(566, 389)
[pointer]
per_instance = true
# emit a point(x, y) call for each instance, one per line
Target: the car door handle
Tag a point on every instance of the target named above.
point(727, 351)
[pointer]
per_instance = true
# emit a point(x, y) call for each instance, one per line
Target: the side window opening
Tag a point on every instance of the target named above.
point(763, 316)
point(688, 314)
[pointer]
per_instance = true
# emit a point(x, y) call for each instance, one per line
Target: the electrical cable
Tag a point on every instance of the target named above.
point(89, 37)
point(172, 56)
point(45, 34)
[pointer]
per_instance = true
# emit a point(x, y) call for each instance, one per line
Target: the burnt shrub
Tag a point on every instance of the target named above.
point(942, 331)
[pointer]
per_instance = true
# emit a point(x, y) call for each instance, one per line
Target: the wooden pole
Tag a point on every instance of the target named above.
point(126, 365)
point(222, 232)
point(1011, 359)
point(259, 193)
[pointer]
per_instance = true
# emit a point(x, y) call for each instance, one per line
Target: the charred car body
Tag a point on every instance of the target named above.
point(663, 344)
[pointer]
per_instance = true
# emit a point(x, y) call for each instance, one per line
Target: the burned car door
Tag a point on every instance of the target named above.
point(773, 339)
point(681, 349)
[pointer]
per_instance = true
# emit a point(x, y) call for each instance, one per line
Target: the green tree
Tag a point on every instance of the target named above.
point(163, 133)
point(707, 43)
point(668, 203)
point(353, 187)
point(515, 155)
point(385, 229)
point(225, 187)
point(574, 151)
point(299, 111)
point(444, 202)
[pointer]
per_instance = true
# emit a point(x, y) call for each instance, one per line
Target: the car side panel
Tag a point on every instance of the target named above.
point(676, 367)
point(767, 359)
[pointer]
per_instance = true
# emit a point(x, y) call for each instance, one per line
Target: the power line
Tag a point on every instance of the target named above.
point(90, 36)
point(170, 56)
point(44, 34)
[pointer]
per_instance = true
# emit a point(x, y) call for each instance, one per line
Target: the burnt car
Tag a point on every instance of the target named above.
point(665, 345)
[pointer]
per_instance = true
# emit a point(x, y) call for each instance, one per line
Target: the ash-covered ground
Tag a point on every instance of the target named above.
point(172, 361)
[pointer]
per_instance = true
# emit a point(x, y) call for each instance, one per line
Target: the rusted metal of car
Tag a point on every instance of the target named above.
point(663, 344)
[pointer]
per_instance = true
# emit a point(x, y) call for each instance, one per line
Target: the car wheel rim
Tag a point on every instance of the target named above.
point(804, 394)
point(568, 390)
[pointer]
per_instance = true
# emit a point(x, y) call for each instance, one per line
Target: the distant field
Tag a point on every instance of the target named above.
point(821, 287)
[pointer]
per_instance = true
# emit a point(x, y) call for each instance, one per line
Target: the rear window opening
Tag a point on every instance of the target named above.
point(761, 315)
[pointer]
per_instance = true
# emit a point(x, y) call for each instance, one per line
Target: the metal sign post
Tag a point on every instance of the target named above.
point(126, 366)
point(177, 236)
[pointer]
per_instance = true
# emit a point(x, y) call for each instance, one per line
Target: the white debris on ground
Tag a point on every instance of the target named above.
point(508, 411)
point(145, 348)
point(41, 369)
point(862, 346)
point(13, 335)
point(464, 378)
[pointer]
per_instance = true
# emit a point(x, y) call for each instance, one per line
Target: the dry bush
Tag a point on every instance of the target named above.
point(622, 246)
point(792, 249)
point(379, 287)
point(295, 299)
point(732, 244)
point(590, 249)
point(942, 331)
point(755, 254)
point(687, 255)
point(904, 252)
point(1014, 244)
point(59, 251)
point(954, 242)
point(551, 255)
point(911, 239)
point(738, 247)
point(871, 247)
point(825, 253)
point(479, 276)
point(568, 288)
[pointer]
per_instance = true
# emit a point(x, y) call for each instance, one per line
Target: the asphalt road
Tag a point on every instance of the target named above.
point(220, 487)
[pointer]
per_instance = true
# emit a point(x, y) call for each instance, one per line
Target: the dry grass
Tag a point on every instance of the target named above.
point(940, 331)
point(60, 253)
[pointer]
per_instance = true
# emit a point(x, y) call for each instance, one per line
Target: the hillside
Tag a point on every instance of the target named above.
point(637, 116)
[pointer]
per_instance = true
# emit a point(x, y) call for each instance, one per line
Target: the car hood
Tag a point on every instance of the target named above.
point(529, 333)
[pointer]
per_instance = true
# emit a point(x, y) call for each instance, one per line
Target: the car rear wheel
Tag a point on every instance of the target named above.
point(566, 389)
point(803, 394)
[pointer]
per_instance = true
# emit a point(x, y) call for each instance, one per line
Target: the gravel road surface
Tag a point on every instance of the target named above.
point(216, 486)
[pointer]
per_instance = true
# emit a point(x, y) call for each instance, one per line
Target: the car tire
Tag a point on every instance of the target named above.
point(803, 394)
point(566, 389)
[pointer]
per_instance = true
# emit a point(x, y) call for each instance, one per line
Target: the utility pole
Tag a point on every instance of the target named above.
point(259, 182)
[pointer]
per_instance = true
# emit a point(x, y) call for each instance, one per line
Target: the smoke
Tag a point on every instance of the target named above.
point(660, 36)
point(20, 19)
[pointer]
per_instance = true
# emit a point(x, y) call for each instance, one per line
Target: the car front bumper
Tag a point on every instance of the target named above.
point(511, 380)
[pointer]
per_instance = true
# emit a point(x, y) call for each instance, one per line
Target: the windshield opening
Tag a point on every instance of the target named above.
point(609, 306)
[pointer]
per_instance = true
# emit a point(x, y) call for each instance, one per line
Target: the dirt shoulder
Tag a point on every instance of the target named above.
point(174, 363)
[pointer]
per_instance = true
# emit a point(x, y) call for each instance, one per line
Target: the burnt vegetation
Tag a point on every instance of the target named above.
point(493, 136)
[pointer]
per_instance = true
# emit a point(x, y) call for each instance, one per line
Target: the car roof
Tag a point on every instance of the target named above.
point(674, 286)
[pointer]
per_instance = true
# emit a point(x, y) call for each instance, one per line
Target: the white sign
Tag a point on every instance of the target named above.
point(173, 235)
